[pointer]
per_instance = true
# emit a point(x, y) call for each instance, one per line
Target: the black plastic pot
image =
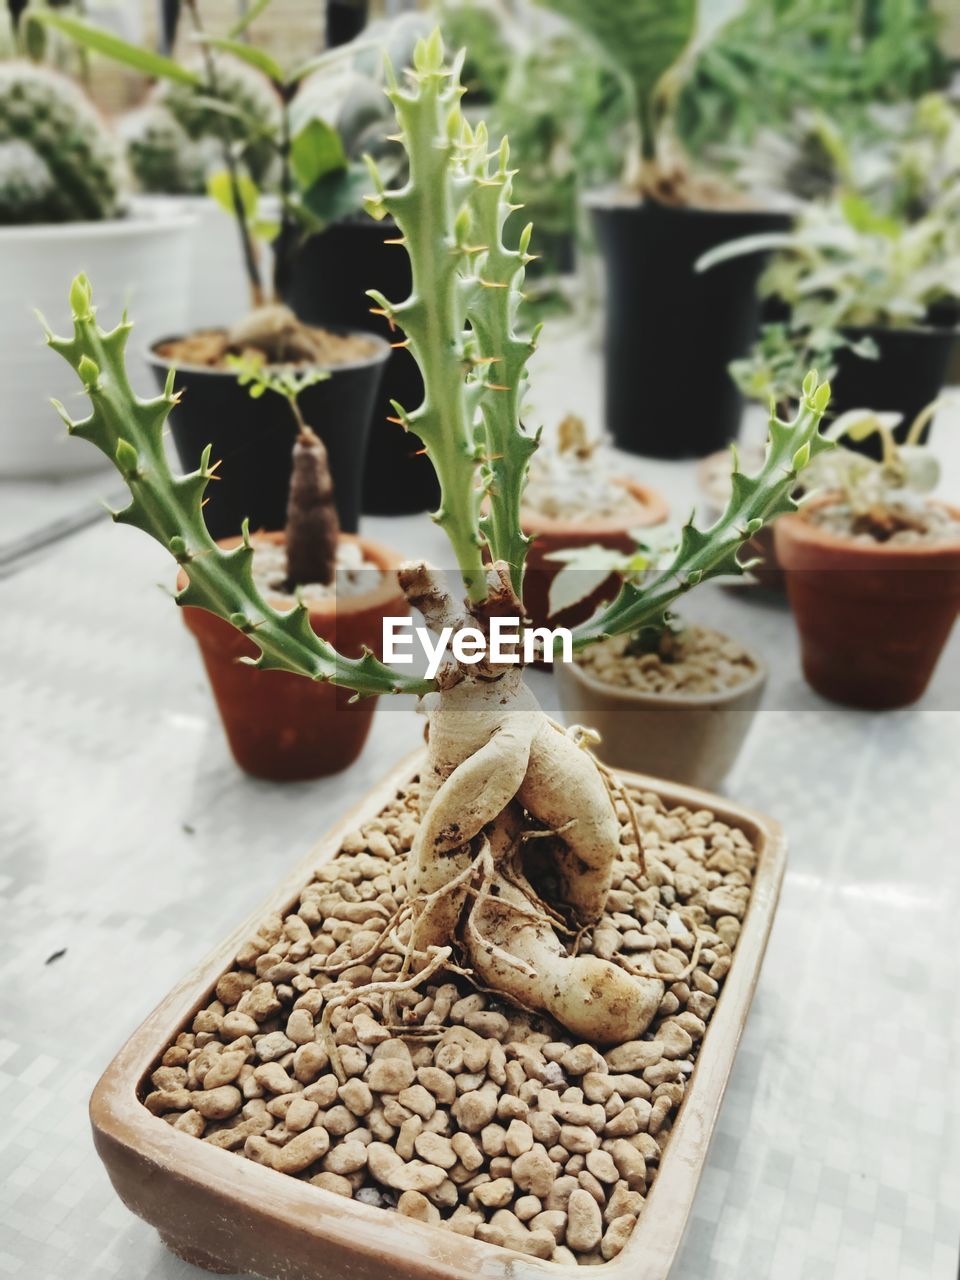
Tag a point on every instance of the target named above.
point(909, 373)
point(328, 282)
point(253, 438)
point(671, 332)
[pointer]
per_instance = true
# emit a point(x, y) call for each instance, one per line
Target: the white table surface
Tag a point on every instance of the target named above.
point(130, 841)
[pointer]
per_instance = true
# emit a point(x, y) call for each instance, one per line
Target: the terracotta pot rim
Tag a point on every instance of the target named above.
point(386, 592)
point(794, 527)
point(657, 511)
point(641, 697)
point(379, 355)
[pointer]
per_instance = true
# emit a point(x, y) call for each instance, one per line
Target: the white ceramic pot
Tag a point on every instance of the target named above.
point(218, 292)
point(141, 262)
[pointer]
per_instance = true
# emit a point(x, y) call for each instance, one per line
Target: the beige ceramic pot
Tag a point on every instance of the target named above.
point(690, 738)
point(231, 1215)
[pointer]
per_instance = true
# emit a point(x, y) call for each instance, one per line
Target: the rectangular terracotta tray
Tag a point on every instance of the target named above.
point(232, 1215)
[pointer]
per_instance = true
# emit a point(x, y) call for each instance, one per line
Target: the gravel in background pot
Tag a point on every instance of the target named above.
point(671, 332)
point(683, 737)
point(328, 283)
point(280, 726)
point(253, 438)
point(873, 617)
point(141, 262)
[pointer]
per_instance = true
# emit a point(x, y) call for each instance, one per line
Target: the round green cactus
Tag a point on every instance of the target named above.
point(58, 160)
point(162, 157)
point(255, 114)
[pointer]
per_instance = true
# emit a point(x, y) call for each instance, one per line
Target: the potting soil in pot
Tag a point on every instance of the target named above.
point(897, 523)
point(698, 660)
point(456, 1108)
point(355, 576)
point(209, 348)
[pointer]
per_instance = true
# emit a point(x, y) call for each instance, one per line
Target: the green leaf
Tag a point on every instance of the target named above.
point(98, 40)
point(315, 152)
point(247, 53)
point(643, 38)
point(220, 189)
point(328, 58)
point(862, 216)
point(247, 19)
point(337, 195)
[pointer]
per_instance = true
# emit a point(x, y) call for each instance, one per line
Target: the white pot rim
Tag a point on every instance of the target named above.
point(646, 697)
point(133, 224)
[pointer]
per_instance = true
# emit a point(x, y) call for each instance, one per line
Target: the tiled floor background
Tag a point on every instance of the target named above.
point(131, 842)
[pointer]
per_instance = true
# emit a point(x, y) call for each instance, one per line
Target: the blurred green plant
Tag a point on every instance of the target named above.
point(848, 264)
point(651, 44)
point(904, 470)
point(781, 56)
point(303, 149)
point(58, 159)
point(783, 352)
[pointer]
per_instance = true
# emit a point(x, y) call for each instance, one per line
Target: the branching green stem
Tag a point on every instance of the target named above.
point(712, 553)
point(430, 215)
point(129, 431)
point(501, 359)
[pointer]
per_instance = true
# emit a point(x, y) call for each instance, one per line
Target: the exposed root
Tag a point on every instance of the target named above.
point(357, 994)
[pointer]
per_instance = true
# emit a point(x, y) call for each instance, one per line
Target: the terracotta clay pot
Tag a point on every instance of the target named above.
point(280, 726)
point(550, 535)
point(690, 738)
point(231, 1215)
point(873, 618)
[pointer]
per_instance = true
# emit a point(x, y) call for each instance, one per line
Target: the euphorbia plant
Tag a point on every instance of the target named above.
point(493, 755)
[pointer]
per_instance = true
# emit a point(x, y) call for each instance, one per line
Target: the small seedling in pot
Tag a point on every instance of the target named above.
point(313, 528)
point(495, 761)
point(880, 499)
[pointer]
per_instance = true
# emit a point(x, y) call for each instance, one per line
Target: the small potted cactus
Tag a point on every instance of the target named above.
point(572, 500)
point(277, 728)
point(873, 567)
point(469, 915)
point(652, 229)
point(63, 209)
point(250, 438)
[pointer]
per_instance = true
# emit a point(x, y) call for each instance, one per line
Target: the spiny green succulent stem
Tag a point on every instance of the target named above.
point(501, 359)
point(712, 553)
point(433, 317)
point(129, 431)
point(458, 319)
